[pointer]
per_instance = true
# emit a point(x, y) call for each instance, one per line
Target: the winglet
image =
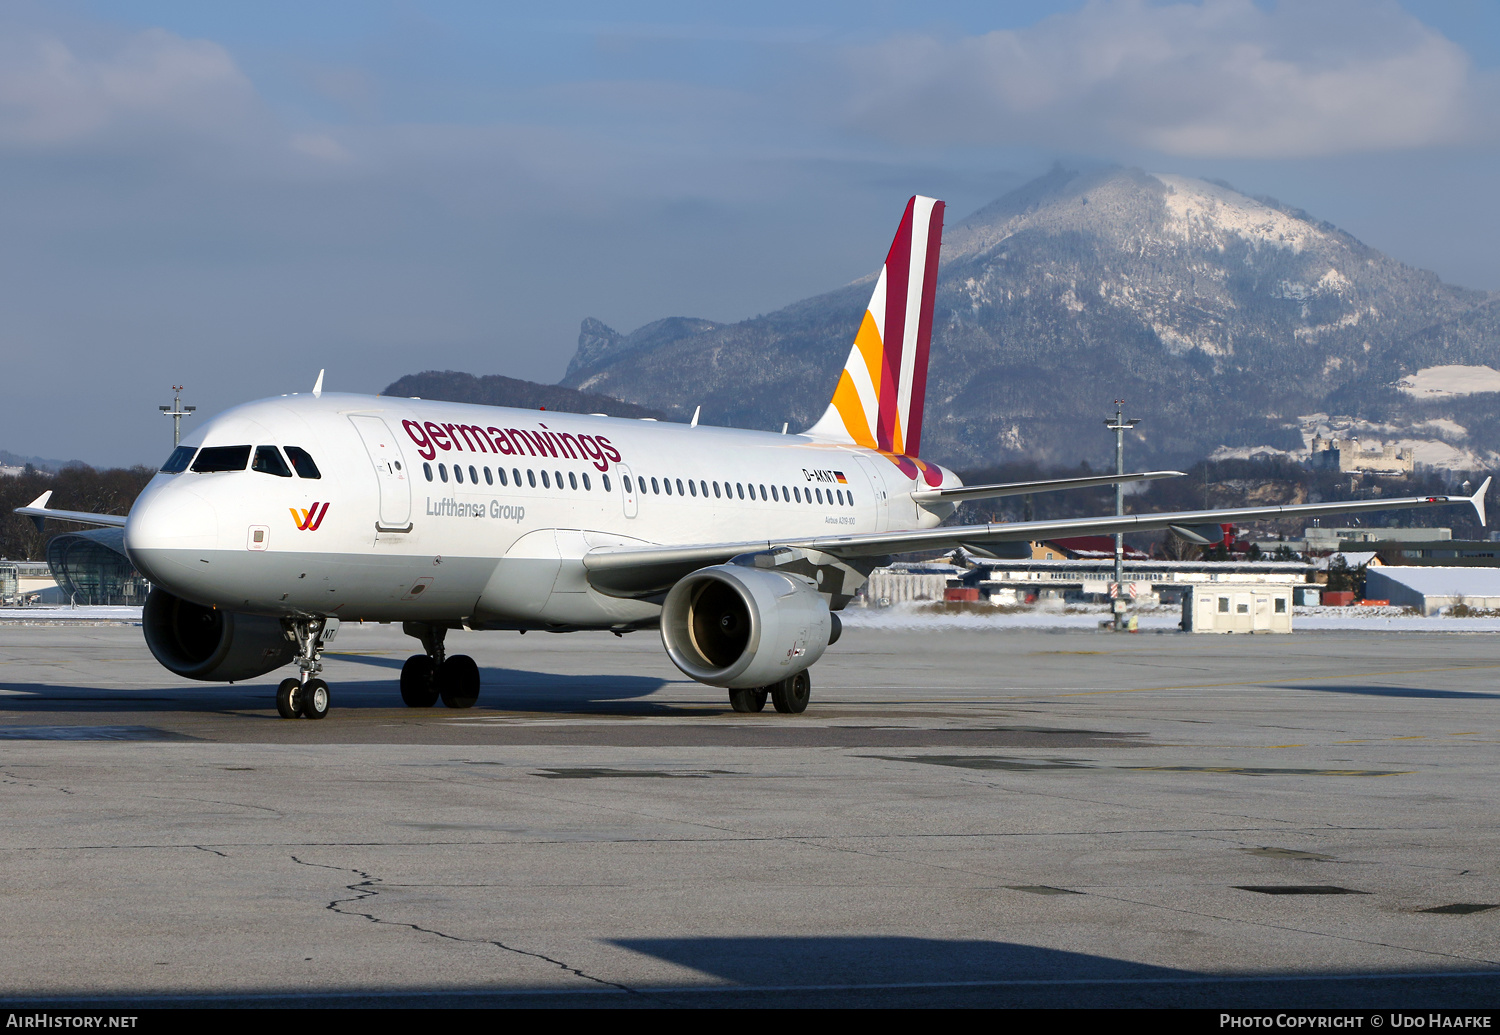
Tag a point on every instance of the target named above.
point(696, 410)
point(1478, 501)
point(318, 387)
point(40, 503)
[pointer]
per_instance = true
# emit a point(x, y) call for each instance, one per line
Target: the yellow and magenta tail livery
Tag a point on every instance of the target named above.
point(878, 401)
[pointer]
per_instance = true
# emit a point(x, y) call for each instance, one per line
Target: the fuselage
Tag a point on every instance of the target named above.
point(428, 511)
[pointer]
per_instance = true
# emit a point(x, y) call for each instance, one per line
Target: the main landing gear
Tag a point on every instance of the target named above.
point(427, 677)
point(789, 696)
point(306, 696)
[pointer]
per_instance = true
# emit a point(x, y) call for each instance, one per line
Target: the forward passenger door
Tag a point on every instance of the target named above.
point(390, 473)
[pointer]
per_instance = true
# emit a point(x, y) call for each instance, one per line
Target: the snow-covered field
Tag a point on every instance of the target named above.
point(1453, 379)
point(1164, 619)
point(50, 615)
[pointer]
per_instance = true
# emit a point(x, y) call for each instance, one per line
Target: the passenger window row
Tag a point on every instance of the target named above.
point(221, 459)
point(572, 480)
point(740, 490)
point(472, 474)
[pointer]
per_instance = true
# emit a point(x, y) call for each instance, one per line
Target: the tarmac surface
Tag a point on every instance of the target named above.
point(961, 818)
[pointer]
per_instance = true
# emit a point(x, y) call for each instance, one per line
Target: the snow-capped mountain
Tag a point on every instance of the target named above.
point(1229, 323)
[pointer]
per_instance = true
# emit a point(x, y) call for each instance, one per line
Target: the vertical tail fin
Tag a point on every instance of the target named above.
point(879, 399)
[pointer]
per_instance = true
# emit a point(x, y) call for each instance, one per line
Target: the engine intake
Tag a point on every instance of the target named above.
point(738, 627)
point(206, 643)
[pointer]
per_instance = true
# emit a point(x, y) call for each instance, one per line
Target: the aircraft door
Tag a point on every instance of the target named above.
point(877, 493)
point(390, 473)
point(627, 489)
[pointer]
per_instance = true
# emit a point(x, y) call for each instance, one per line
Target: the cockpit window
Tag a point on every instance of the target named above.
point(302, 462)
point(178, 461)
point(221, 458)
point(268, 461)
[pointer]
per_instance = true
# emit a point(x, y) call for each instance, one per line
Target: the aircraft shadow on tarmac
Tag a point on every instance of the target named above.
point(1006, 973)
point(1394, 691)
point(877, 960)
point(501, 690)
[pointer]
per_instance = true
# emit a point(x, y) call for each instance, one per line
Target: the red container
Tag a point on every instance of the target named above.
point(970, 593)
point(1340, 598)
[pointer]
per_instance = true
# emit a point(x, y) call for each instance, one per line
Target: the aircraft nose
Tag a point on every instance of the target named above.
point(168, 531)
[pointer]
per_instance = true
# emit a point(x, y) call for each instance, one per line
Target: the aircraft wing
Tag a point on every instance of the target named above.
point(38, 511)
point(986, 492)
point(645, 571)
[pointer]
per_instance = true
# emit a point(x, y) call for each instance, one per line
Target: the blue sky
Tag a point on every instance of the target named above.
point(232, 196)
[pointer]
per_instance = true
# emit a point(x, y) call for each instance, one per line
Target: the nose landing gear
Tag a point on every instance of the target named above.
point(427, 677)
point(306, 695)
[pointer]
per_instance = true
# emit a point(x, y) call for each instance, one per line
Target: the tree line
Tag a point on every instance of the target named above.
point(109, 491)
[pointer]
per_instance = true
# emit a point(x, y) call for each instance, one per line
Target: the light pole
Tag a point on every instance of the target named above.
point(177, 411)
point(1119, 426)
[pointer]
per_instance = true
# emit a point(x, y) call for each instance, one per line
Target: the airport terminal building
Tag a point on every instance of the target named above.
point(91, 568)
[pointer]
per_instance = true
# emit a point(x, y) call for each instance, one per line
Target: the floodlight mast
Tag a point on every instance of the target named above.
point(1119, 426)
point(177, 411)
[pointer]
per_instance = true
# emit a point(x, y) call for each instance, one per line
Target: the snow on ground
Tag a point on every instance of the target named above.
point(1197, 205)
point(1165, 619)
point(1437, 453)
point(1249, 452)
point(32, 615)
point(1453, 379)
point(1445, 426)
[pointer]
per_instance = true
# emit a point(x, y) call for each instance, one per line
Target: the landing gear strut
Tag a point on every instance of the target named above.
point(306, 695)
point(427, 677)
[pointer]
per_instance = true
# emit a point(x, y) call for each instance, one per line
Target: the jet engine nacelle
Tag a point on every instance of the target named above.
point(738, 627)
point(206, 643)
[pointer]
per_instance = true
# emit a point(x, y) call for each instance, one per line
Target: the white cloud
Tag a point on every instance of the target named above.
point(52, 93)
point(1220, 78)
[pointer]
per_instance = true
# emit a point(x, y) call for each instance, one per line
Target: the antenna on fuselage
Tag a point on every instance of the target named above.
point(696, 410)
point(318, 387)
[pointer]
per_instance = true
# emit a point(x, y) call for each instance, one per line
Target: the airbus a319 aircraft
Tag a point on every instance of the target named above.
point(282, 518)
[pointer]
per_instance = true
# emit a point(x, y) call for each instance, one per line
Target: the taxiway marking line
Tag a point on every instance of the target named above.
point(1272, 682)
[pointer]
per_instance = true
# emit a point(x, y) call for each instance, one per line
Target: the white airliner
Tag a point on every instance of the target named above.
point(282, 518)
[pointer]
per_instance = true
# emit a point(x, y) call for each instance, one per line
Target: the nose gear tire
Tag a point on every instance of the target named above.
point(289, 699)
point(314, 701)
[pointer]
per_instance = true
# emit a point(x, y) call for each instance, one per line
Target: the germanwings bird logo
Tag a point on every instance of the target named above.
point(309, 520)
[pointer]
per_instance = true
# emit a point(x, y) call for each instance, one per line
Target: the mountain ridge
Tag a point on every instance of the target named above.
point(1235, 323)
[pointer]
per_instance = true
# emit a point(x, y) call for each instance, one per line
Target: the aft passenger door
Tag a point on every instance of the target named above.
point(390, 473)
point(877, 493)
